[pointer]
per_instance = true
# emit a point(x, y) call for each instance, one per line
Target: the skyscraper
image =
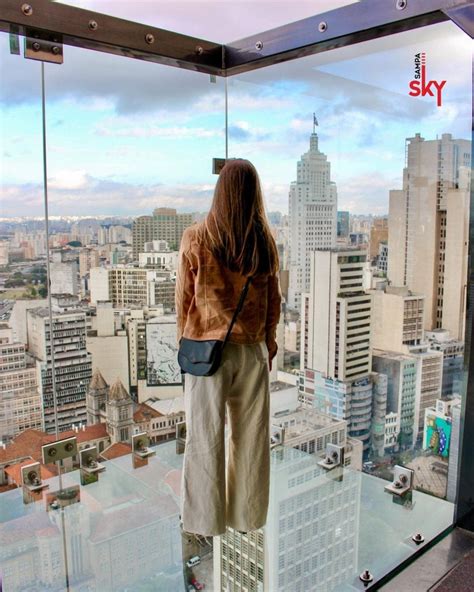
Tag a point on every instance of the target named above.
point(428, 229)
point(313, 217)
point(336, 341)
point(165, 224)
point(73, 367)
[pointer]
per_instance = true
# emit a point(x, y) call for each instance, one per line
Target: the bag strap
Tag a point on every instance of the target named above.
point(243, 294)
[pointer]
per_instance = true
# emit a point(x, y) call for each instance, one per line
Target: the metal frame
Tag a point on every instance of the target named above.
point(341, 27)
point(101, 32)
point(362, 21)
point(464, 511)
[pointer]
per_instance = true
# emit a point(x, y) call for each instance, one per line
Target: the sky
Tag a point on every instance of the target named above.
point(125, 136)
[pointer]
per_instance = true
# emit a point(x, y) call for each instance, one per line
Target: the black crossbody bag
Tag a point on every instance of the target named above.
point(203, 358)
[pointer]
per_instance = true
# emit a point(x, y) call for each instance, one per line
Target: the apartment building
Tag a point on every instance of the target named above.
point(73, 365)
point(165, 224)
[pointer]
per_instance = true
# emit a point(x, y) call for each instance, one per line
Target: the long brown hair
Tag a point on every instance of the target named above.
point(236, 230)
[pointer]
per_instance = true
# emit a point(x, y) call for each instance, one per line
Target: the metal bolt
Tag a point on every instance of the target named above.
point(418, 538)
point(259, 45)
point(322, 26)
point(36, 46)
point(366, 576)
point(69, 446)
point(149, 38)
point(56, 50)
point(199, 50)
point(27, 9)
point(401, 4)
point(403, 479)
point(93, 25)
point(51, 451)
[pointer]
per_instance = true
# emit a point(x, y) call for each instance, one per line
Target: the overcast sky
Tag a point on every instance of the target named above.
point(126, 136)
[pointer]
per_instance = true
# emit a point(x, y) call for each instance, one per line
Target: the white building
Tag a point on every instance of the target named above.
point(108, 346)
point(313, 217)
point(403, 372)
point(337, 335)
point(428, 228)
point(336, 340)
point(312, 522)
point(20, 401)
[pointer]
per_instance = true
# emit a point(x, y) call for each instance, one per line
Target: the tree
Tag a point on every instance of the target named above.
point(43, 292)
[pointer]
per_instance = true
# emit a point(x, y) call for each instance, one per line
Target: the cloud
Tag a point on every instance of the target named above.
point(367, 193)
point(160, 132)
point(84, 195)
point(72, 179)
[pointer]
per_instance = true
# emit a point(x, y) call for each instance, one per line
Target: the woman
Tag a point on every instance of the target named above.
point(215, 259)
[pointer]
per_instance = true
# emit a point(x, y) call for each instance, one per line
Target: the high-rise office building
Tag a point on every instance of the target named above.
point(313, 217)
point(428, 228)
point(165, 224)
point(73, 367)
point(312, 523)
point(336, 340)
point(339, 315)
point(132, 286)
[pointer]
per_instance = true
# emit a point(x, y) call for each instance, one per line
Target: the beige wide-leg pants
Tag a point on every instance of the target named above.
point(215, 493)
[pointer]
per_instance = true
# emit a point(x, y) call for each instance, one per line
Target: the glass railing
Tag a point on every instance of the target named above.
point(324, 529)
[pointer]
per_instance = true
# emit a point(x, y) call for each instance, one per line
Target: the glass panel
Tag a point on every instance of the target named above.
point(124, 533)
point(130, 167)
point(22, 237)
point(23, 292)
point(367, 182)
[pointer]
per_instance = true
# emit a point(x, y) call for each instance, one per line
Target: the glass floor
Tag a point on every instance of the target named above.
point(324, 528)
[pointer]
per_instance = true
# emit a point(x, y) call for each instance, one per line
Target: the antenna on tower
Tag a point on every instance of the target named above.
point(315, 123)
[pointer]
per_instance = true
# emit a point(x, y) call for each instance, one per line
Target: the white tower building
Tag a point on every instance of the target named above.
point(313, 217)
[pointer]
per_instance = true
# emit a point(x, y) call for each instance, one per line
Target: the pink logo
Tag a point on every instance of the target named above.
point(423, 87)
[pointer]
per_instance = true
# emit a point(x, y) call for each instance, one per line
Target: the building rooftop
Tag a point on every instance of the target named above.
point(97, 382)
point(167, 406)
point(144, 412)
point(118, 392)
point(116, 450)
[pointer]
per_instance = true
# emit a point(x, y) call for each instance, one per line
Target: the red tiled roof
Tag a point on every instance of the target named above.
point(92, 432)
point(29, 442)
point(116, 450)
point(14, 471)
point(144, 412)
